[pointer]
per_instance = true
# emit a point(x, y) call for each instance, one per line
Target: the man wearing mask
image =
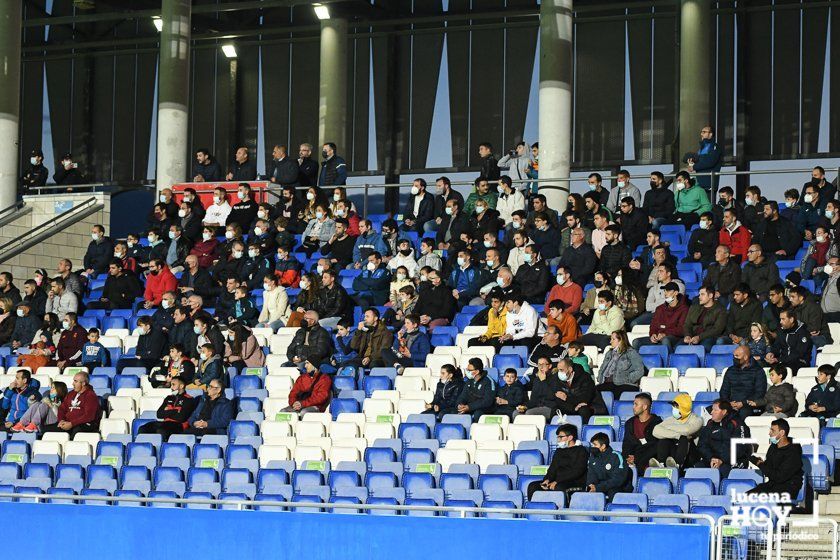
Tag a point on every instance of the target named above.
point(120, 289)
point(244, 212)
point(668, 320)
point(419, 208)
point(751, 215)
point(676, 434)
point(206, 168)
point(369, 340)
point(159, 281)
point(705, 321)
point(714, 445)
point(614, 255)
point(389, 236)
point(690, 200)
point(743, 382)
point(811, 212)
point(743, 312)
point(487, 161)
point(428, 257)
point(182, 332)
point(596, 187)
point(284, 171)
point(568, 465)
point(70, 344)
point(373, 284)
point(633, 222)
point(174, 413)
point(830, 301)
point(579, 258)
point(312, 342)
point(807, 310)
point(443, 194)
point(218, 212)
point(190, 223)
point(577, 393)
point(99, 253)
point(435, 304)
point(726, 201)
point(707, 159)
point(517, 161)
point(177, 249)
point(734, 236)
point(368, 242)
point(606, 472)
point(465, 279)
point(243, 168)
point(566, 290)
point(823, 186)
point(510, 199)
point(67, 172)
point(36, 174)
point(639, 444)
point(533, 279)
point(759, 272)
point(623, 188)
point(777, 235)
point(333, 167)
point(659, 201)
point(455, 223)
point(703, 241)
point(36, 297)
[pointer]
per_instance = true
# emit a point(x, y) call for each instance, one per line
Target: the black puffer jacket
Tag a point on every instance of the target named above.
point(659, 203)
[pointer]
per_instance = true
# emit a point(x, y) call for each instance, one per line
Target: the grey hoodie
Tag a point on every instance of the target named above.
point(517, 167)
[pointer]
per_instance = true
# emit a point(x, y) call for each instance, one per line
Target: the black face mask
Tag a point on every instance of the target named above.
point(325, 154)
point(598, 283)
point(405, 252)
point(653, 185)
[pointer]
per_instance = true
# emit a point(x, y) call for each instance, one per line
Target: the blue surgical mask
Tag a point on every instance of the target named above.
point(562, 376)
point(675, 412)
point(774, 440)
point(562, 444)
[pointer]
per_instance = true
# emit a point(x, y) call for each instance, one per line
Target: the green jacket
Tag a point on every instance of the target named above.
point(692, 199)
point(490, 198)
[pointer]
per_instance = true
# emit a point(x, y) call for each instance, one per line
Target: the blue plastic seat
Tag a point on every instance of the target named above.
point(376, 383)
point(456, 481)
point(586, 501)
point(504, 361)
point(653, 487)
point(306, 478)
point(411, 431)
point(374, 455)
point(414, 481)
point(718, 361)
point(242, 382)
point(445, 432)
point(339, 405)
point(375, 480)
point(684, 361)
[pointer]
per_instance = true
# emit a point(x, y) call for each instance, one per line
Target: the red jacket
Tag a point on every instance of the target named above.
point(158, 284)
point(572, 296)
point(353, 225)
point(318, 386)
point(70, 345)
point(205, 251)
point(79, 408)
point(738, 241)
point(670, 320)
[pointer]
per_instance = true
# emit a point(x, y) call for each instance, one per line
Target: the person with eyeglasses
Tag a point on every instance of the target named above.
point(708, 158)
point(213, 413)
point(760, 273)
point(568, 465)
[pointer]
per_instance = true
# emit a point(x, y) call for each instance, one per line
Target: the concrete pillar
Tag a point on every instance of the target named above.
point(332, 105)
point(555, 99)
point(173, 94)
point(696, 54)
point(10, 26)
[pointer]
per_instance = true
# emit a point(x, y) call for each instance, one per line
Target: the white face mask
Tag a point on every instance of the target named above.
point(340, 212)
point(258, 231)
point(829, 214)
point(448, 210)
point(501, 188)
point(561, 279)
point(240, 195)
point(751, 202)
point(161, 198)
point(320, 269)
point(828, 269)
point(319, 215)
point(207, 236)
point(490, 263)
point(414, 191)
point(424, 278)
point(461, 261)
point(130, 244)
point(267, 287)
point(20, 312)
point(33, 161)
point(621, 184)
point(516, 225)
point(65, 325)
point(171, 235)
point(602, 306)
point(228, 235)
point(117, 255)
point(790, 202)
point(479, 209)
point(304, 285)
point(217, 199)
point(618, 281)
point(669, 300)
point(400, 277)
point(94, 236)
point(237, 254)
point(336, 197)
point(704, 224)
point(820, 239)
point(500, 282)
point(261, 214)
point(152, 238)
point(182, 213)
point(310, 196)
point(371, 266)
point(526, 257)
point(809, 198)
point(187, 198)
point(253, 253)
point(164, 304)
point(680, 186)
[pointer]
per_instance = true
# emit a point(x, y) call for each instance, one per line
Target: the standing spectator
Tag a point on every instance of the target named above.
point(743, 382)
point(308, 167)
point(639, 444)
point(676, 434)
point(333, 167)
point(510, 199)
point(79, 412)
point(36, 174)
point(99, 252)
point(244, 212)
point(67, 173)
point(659, 201)
point(708, 159)
point(284, 170)
point(487, 161)
point(206, 168)
point(517, 162)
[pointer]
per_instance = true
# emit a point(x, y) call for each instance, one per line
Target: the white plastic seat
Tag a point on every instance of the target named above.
point(77, 449)
point(530, 420)
point(403, 384)
point(271, 430)
point(278, 384)
point(505, 445)
point(323, 418)
point(446, 457)
point(437, 361)
point(134, 393)
point(693, 385)
point(484, 432)
point(60, 437)
point(358, 418)
point(127, 415)
point(41, 447)
point(108, 426)
point(422, 372)
point(305, 453)
point(378, 430)
point(497, 419)
point(341, 430)
point(130, 342)
point(709, 374)
point(52, 371)
point(268, 453)
point(339, 454)
point(279, 343)
point(411, 406)
point(453, 351)
point(119, 334)
point(121, 403)
point(273, 405)
point(829, 358)
point(803, 384)
point(357, 443)
point(810, 424)
point(468, 445)
point(92, 438)
point(486, 457)
point(388, 395)
point(809, 372)
point(150, 404)
point(523, 432)
point(377, 406)
point(655, 385)
point(308, 430)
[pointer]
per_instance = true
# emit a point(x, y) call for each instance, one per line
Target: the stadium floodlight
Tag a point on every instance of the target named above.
point(322, 11)
point(158, 23)
point(229, 50)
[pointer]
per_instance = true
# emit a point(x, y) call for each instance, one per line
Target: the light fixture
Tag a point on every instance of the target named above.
point(229, 50)
point(158, 23)
point(322, 11)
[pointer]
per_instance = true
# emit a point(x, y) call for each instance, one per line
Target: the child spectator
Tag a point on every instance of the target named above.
point(244, 310)
point(578, 357)
point(342, 337)
point(209, 368)
point(93, 353)
point(758, 343)
point(510, 395)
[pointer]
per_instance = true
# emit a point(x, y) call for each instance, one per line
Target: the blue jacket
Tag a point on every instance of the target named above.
point(709, 158)
point(829, 397)
point(212, 370)
point(467, 282)
point(16, 401)
point(365, 245)
point(744, 384)
point(608, 472)
point(420, 347)
point(375, 284)
point(810, 216)
point(220, 417)
point(95, 355)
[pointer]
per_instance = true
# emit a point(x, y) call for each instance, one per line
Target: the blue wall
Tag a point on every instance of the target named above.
point(142, 533)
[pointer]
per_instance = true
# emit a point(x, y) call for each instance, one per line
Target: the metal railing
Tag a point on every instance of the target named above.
point(89, 187)
point(13, 212)
point(34, 236)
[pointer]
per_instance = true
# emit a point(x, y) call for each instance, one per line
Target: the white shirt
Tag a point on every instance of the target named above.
point(417, 200)
point(524, 324)
point(217, 213)
point(408, 262)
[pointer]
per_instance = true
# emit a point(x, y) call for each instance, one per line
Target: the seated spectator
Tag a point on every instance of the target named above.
point(783, 466)
point(164, 316)
point(26, 325)
point(575, 353)
point(744, 310)
point(668, 322)
point(563, 321)
point(510, 395)
point(447, 392)
point(714, 444)
point(151, 346)
point(159, 281)
point(546, 238)
point(406, 302)
point(735, 236)
point(428, 257)
point(576, 395)
point(79, 411)
point(372, 284)
point(176, 364)
point(705, 321)
point(17, 397)
point(727, 201)
point(369, 340)
point(333, 304)
point(465, 279)
point(182, 332)
point(605, 321)
point(614, 255)
point(792, 347)
point(549, 347)
point(69, 348)
point(622, 367)
point(760, 273)
point(311, 391)
point(318, 231)
point(606, 471)
point(629, 294)
point(633, 222)
point(676, 434)
point(196, 280)
point(663, 274)
point(244, 310)
point(190, 223)
point(367, 242)
point(7, 321)
point(743, 382)
point(533, 278)
point(99, 253)
point(253, 268)
point(287, 268)
point(510, 199)
point(824, 399)
point(225, 303)
point(602, 282)
point(93, 353)
point(496, 322)
point(339, 248)
point(174, 413)
point(523, 323)
point(758, 342)
point(568, 468)
point(723, 275)
point(399, 280)
point(811, 211)
point(410, 348)
point(780, 398)
point(210, 368)
point(311, 342)
point(776, 234)
point(478, 395)
point(481, 193)
point(242, 349)
point(275, 311)
point(435, 304)
point(453, 227)
point(690, 200)
point(120, 289)
point(177, 249)
point(42, 412)
point(213, 413)
point(404, 258)
point(639, 445)
point(542, 387)
point(830, 302)
point(816, 256)
point(808, 311)
point(703, 241)
point(129, 264)
point(565, 290)
point(35, 297)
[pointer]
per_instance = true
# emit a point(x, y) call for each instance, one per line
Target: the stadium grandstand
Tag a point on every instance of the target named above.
point(326, 277)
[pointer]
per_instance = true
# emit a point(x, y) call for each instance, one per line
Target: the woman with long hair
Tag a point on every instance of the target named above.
point(242, 350)
point(45, 411)
point(622, 367)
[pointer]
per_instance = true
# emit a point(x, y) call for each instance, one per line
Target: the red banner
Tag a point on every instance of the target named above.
point(259, 192)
